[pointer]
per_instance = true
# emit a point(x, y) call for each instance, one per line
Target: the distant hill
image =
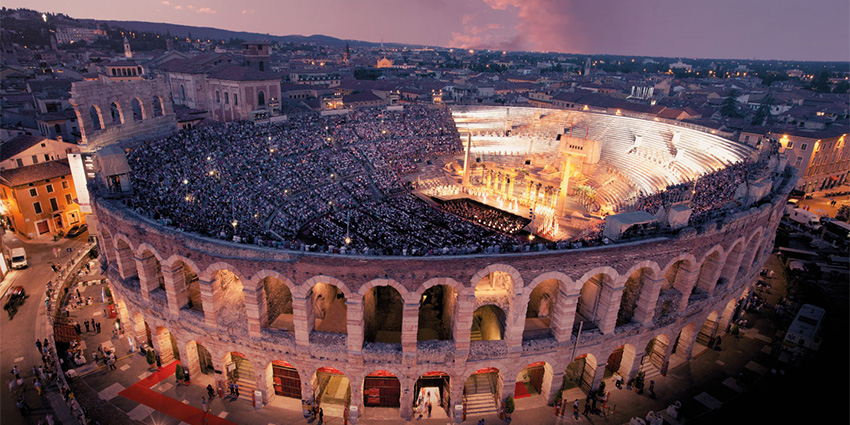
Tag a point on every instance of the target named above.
point(220, 34)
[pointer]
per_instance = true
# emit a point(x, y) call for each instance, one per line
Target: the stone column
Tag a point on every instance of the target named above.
point(302, 315)
point(462, 326)
point(175, 288)
point(508, 385)
point(709, 272)
point(189, 358)
point(467, 157)
point(647, 299)
point(406, 398)
point(356, 394)
point(666, 363)
point(162, 345)
point(409, 330)
point(598, 374)
point(253, 301)
point(208, 300)
point(609, 305)
point(457, 400)
point(635, 366)
point(146, 269)
point(264, 382)
point(126, 262)
point(552, 387)
point(355, 326)
point(514, 327)
point(685, 281)
point(565, 182)
point(730, 267)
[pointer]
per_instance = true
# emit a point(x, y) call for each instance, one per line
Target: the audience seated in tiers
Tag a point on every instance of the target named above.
point(312, 182)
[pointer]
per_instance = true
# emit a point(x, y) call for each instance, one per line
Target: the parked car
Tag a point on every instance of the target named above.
point(19, 258)
point(76, 231)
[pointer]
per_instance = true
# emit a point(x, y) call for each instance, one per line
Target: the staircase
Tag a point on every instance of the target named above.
point(247, 378)
point(475, 334)
point(479, 398)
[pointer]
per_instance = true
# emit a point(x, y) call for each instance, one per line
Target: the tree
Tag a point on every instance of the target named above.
point(509, 405)
point(842, 87)
point(150, 357)
point(178, 373)
point(729, 107)
point(821, 83)
point(762, 115)
point(367, 73)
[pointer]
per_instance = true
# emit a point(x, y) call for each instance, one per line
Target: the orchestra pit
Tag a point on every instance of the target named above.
point(373, 262)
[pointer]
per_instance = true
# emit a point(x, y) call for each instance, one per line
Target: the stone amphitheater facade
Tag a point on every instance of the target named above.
point(626, 295)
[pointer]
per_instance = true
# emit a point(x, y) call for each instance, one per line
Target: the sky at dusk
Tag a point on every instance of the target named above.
point(739, 29)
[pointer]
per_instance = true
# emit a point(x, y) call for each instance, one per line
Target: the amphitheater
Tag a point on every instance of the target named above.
point(367, 335)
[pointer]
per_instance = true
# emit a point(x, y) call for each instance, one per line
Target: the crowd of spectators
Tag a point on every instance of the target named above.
point(486, 216)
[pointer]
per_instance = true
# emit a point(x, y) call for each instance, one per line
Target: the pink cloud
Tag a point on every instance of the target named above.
point(205, 10)
point(545, 24)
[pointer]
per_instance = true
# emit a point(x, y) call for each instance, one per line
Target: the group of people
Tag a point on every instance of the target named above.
point(41, 377)
point(486, 216)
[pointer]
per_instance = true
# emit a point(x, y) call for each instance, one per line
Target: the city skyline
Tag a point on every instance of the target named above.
point(757, 30)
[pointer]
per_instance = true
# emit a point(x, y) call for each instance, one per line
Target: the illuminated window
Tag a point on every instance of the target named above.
point(804, 146)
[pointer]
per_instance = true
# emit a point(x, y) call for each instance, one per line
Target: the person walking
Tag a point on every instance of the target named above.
point(87, 325)
point(22, 405)
point(429, 408)
point(37, 384)
point(230, 388)
point(15, 372)
point(210, 391)
point(586, 407)
point(575, 409)
point(236, 390)
point(321, 413)
point(97, 324)
point(38, 345)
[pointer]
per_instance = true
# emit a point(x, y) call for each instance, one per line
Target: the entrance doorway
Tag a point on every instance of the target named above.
point(434, 388)
point(579, 373)
point(42, 227)
point(332, 391)
point(286, 380)
point(205, 360)
point(529, 382)
point(482, 392)
point(381, 395)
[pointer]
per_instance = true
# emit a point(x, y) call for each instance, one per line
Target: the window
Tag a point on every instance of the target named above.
point(799, 161)
point(235, 99)
point(33, 192)
point(35, 159)
point(261, 98)
point(217, 97)
point(746, 139)
point(44, 145)
point(20, 162)
point(64, 185)
point(50, 188)
point(37, 207)
point(790, 145)
point(68, 200)
point(54, 205)
point(182, 92)
point(804, 146)
point(46, 157)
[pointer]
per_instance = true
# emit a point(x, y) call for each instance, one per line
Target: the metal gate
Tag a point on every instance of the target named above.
point(707, 332)
point(655, 351)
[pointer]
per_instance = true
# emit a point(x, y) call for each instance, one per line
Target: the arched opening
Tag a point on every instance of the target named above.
point(707, 333)
point(157, 106)
point(332, 391)
point(587, 311)
point(261, 98)
point(631, 293)
point(138, 113)
point(97, 122)
point(538, 315)
point(670, 297)
point(278, 304)
point(706, 281)
point(579, 375)
point(495, 285)
point(434, 388)
point(262, 66)
point(653, 357)
point(533, 380)
point(381, 389)
point(167, 345)
point(240, 371)
point(436, 313)
point(482, 391)
point(488, 324)
point(153, 272)
point(189, 294)
point(327, 311)
point(382, 310)
point(126, 262)
point(182, 92)
point(140, 329)
point(620, 361)
point(199, 360)
point(733, 262)
point(114, 73)
point(115, 112)
point(285, 380)
point(229, 306)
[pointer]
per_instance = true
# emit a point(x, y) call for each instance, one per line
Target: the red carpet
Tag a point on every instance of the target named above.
point(520, 391)
point(140, 392)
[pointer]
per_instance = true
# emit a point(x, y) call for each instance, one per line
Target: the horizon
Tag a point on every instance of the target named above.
point(522, 26)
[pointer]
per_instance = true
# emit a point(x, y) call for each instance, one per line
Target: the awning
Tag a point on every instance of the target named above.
point(834, 178)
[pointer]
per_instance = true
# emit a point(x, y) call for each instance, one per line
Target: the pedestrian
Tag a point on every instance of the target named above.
point(717, 343)
point(321, 412)
point(49, 419)
point(158, 361)
point(15, 372)
point(95, 357)
point(230, 388)
point(98, 326)
point(12, 387)
point(111, 363)
point(87, 325)
point(37, 384)
point(38, 345)
point(22, 405)
point(55, 252)
point(575, 409)
point(210, 391)
point(429, 408)
point(652, 389)
point(236, 390)
point(586, 407)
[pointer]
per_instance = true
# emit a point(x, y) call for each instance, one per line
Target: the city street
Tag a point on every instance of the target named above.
point(19, 334)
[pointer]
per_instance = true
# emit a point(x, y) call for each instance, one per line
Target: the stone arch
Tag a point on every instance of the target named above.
point(165, 345)
point(534, 380)
point(274, 299)
point(489, 323)
point(125, 257)
point(438, 305)
point(516, 282)
point(594, 298)
point(138, 325)
point(325, 310)
point(679, 277)
point(580, 373)
point(182, 92)
point(389, 387)
point(639, 286)
point(655, 354)
point(139, 112)
point(182, 280)
point(383, 311)
point(198, 360)
point(226, 308)
point(157, 107)
point(708, 330)
point(326, 377)
point(751, 254)
point(683, 344)
point(540, 307)
point(283, 378)
point(710, 268)
point(734, 259)
point(116, 113)
point(261, 98)
point(621, 360)
point(96, 117)
point(149, 267)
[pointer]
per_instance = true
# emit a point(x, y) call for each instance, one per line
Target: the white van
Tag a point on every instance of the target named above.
point(19, 258)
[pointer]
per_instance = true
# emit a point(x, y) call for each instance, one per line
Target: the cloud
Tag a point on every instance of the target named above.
point(248, 11)
point(205, 10)
point(545, 24)
point(190, 7)
point(178, 7)
point(166, 3)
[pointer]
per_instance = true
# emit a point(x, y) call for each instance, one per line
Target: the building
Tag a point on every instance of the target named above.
point(39, 199)
point(25, 150)
point(67, 35)
point(822, 158)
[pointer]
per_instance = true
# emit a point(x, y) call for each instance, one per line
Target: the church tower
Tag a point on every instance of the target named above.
point(346, 56)
point(127, 52)
point(587, 67)
point(255, 54)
